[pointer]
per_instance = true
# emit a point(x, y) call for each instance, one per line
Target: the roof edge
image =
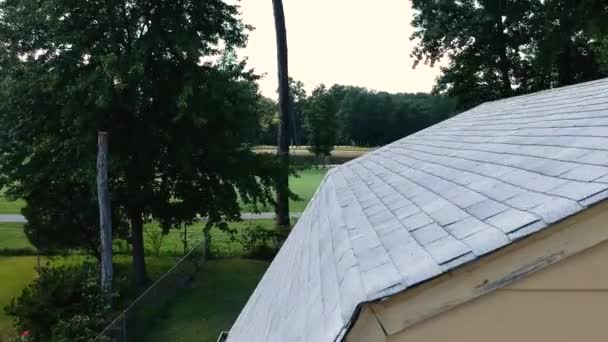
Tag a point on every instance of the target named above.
point(492, 271)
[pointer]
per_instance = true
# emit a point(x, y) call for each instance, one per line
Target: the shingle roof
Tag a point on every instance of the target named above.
point(431, 202)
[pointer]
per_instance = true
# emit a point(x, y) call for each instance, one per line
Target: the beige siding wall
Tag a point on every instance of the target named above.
point(367, 328)
point(566, 302)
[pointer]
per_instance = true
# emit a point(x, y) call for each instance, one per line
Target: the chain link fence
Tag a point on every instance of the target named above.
point(133, 322)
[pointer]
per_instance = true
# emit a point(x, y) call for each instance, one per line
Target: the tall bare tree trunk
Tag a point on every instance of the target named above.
point(105, 215)
point(282, 186)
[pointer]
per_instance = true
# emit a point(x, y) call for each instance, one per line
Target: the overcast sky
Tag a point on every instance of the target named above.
point(354, 42)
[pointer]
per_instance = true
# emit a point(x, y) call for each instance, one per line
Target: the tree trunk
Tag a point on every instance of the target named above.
point(565, 76)
point(105, 215)
point(505, 67)
point(282, 186)
point(137, 241)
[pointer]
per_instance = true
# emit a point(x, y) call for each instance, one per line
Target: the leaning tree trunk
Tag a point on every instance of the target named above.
point(282, 184)
point(105, 215)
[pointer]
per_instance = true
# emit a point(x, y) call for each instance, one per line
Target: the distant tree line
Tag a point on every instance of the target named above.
point(348, 115)
point(502, 48)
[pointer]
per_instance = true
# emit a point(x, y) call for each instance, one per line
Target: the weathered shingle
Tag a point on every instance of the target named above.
point(431, 202)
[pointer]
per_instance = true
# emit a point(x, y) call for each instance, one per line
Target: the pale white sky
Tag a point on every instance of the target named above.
point(352, 42)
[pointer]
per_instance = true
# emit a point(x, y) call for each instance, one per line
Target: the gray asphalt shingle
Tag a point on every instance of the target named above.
point(431, 202)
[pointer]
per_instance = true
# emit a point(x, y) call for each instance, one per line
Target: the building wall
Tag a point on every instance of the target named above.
point(565, 302)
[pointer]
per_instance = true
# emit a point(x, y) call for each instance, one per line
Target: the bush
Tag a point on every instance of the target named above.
point(63, 304)
point(80, 328)
point(261, 243)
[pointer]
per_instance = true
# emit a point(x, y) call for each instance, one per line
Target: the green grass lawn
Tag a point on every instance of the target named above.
point(13, 237)
point(305, 148)
point(211, 305)
point(16, 273)
point(304, 186)
point(10, 207)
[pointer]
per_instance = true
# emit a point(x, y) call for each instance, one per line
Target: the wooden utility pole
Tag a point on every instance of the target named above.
point(282, 186)
point(105, 214)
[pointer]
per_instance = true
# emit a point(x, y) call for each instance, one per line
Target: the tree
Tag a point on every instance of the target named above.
point(561, 42)
point(482, 40)
point(268, 111)
point(297, 95)
point(269, 117)
point(497, 49)
point(181, 130)
point(602, 51)
point(282, 184)
point(63, 215)
point(369, 118)
point(321, 122)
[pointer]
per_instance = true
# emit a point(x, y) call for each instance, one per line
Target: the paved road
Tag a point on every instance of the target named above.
point(264, 216)
point(12, 218)
point(246, 216)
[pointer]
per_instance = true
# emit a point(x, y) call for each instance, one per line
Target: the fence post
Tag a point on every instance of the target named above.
point(124, 328)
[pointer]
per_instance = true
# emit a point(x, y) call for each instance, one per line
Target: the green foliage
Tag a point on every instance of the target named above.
point(320, 113)
point(261, 242)
point(79, 328)
point(352, 116)
point(602, 51)
point(298, 97)
point(378, 118)
point(180, 131)
point(268, 111)
point(67, 224)
point(502, 48)
point(17, 272)
point(62, 302)
point(154, 238)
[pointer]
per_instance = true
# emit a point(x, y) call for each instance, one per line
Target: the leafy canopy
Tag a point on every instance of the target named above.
point(180, 125)
point(320, 112)
point(502, 48)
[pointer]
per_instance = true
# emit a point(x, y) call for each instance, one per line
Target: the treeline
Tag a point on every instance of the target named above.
point(348, 115)
point(503, 48)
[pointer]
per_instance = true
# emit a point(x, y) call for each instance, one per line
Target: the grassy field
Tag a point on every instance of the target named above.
point(302, 156)
point(305, 148)
point(16, 272)
point(304, 186)
point(211, 304)
point(10, 207)
point(13, 237)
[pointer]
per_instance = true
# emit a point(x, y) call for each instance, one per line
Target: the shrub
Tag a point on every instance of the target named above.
point(80, 328)
point(155, 237)
point(261, 243)
point(64, 303)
